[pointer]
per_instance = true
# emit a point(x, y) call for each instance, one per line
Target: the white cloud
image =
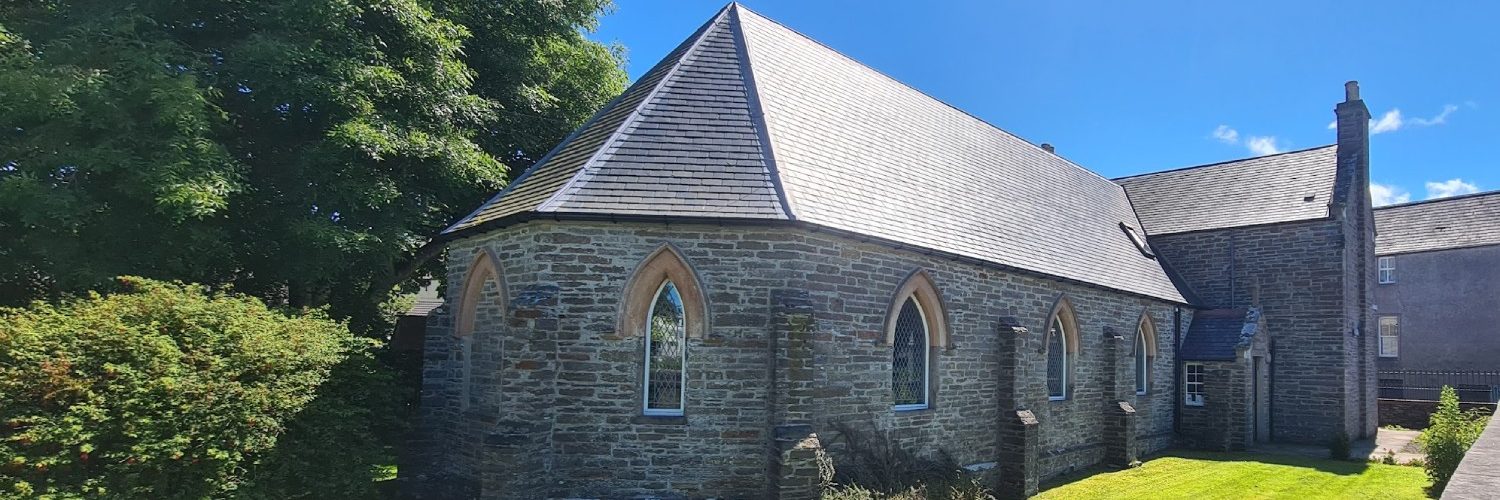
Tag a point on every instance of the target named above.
point(1440, 119)
point(1387, 194)
point(1391, 121)
point(1226, 134)
point(1450, 187)
point(1262, 145)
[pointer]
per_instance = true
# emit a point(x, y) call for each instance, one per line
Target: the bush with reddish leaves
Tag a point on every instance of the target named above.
point(158, 391)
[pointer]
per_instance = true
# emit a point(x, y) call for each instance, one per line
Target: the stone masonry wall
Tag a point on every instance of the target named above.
point(1296, 270)
point(556, 388)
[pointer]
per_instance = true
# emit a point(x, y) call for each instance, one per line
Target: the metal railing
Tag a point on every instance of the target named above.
point(1478, 387)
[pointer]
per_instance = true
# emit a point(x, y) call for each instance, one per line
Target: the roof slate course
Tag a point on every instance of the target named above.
point(1444, 224)
point(1214, 335)
point(1283, 187)
point(747, 104)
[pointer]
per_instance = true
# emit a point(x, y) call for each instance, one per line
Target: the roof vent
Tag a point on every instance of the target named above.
point(1048, 148)
point(1310, 197)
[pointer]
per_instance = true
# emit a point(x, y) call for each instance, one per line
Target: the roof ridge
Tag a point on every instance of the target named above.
point(1225, 162)
point(757, 109)
point(1480, 194)
point(580, 177)
point(917, 90)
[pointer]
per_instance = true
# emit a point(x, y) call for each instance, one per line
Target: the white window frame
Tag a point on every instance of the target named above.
point(1191, 397)
point(926, 360)
point(646, 408)
point(1393, 333)
point(1142, 362)
point(1387, 267)
point(1059, 329)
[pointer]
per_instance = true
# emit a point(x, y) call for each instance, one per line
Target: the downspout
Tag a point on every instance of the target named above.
point(1177, 369)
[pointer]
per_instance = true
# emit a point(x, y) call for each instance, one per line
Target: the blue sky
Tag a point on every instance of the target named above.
point(1131, 87)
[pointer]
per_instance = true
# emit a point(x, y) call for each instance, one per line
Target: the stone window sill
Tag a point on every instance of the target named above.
point(659, 420)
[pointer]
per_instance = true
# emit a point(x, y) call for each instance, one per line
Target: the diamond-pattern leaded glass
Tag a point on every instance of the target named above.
point(1057, 359)
point(909, 357)
point(664, 351)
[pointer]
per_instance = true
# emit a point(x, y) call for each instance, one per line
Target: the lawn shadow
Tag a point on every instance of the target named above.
point(1340, 467)
point(1274, 457)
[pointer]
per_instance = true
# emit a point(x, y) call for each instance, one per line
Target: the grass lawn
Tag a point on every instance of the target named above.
point(1200, 475)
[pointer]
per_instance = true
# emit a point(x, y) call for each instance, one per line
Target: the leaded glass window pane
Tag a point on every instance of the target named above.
point(1057, 360)
point(665, 352)
point(1142, 367)
point(909, 357)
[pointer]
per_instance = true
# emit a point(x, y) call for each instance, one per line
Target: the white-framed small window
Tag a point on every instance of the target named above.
point(1390, 336)
point(1192, 380)
point(1387, 267)
point(666, 353)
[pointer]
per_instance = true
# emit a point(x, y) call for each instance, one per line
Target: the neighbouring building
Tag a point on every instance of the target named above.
point(763, 248)
point(1437, 299)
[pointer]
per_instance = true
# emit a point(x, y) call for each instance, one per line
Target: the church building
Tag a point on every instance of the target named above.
point(763, 247)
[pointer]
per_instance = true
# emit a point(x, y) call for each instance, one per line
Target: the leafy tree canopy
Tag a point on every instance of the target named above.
point(301, 150)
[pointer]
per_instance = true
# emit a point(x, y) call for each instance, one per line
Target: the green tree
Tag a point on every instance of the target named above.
point(164, 391)
point(302, 150)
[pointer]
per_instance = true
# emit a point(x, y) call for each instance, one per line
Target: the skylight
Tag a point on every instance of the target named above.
point(1138, 239)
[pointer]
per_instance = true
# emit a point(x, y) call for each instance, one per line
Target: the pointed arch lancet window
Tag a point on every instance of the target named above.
point(1057, 360)
point(1062, 345)
point(911, 354)
point(1145, 353)
point(666, 353)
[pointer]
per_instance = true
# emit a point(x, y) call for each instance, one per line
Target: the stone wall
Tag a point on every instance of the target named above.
point(1415, 413)
point(554, 407)
point(1294, 272)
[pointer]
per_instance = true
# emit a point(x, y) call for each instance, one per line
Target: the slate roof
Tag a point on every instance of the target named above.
point(1442, 224)
point(749, 120)
point(1215, 334)
point(427, 299)
point(1283, 187)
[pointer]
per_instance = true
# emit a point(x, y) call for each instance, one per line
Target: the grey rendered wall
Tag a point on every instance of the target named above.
point(1449, 309)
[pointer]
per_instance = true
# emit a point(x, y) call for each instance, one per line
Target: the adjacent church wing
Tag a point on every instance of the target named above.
point(1284, 187)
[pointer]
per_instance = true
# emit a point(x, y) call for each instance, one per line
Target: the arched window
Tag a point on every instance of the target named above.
point(1062, 344)
point(664, 306)
point(915, 327)
point(910, 356)
point(665, 352)
point(483, 296)
point(1145, 352)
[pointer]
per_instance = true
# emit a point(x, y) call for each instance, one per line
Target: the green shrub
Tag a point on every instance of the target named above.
point(1338, 446)
point(1450, 432)
point(158, 391)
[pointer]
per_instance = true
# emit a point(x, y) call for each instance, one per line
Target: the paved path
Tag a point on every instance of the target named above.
point(1386, 440)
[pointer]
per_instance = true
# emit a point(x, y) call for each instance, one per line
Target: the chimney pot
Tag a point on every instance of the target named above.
point(1351, 91)
point(1048, 148)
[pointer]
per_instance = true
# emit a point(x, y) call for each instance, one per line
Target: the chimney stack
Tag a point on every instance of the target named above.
point(1353, 124)
point(1048, 148)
